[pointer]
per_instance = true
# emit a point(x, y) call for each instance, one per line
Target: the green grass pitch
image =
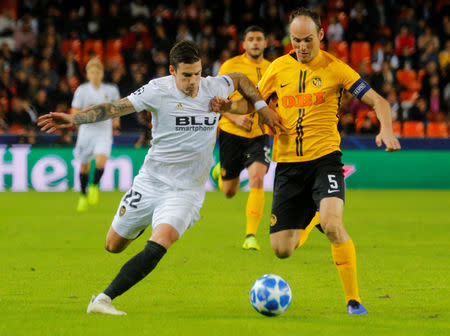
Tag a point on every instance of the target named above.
point(52, 260)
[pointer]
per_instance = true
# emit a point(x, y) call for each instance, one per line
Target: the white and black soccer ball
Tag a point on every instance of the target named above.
point(270, 295)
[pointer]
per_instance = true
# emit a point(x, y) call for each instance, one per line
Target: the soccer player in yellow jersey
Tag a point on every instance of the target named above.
point(309, 84)
point(242, 142)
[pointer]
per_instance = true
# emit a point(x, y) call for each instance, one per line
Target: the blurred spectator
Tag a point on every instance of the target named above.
point(139, 10)
point(73, 25)
point(347, 124)
point(428, 54)
point(69, 67)
point(24, 35)
point(161, 71)
point(394, 104)
point(7, 27)
point(7, 84)
point(22, 118)
point(435, 99)
point(33, 86)
point(386, 75)
point(139, 55)
point(112, 22)
point(358, 29)
point(249, 14)
point(21, 83)
point(444, 56)
point(335, 32)
point(46, 72)
point(183, 33)
point(160, 39)
point(6, 54)
point(137, 32)
point(385, 53)
point(405, 42)
point(40, 103)
point(419, 110)
point(407, 19)
point(224, 55)
point(431, 78)
point(427, 38)
point(368, 128)
point(95, 21)
point(63, 94)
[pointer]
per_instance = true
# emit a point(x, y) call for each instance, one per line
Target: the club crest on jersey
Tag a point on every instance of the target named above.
point(317, 82)
point(106, 97)
point(273, 220)
point(179, 106)
point(122, 210)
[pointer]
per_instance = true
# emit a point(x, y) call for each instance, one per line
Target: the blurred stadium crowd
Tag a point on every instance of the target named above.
point(402, 48)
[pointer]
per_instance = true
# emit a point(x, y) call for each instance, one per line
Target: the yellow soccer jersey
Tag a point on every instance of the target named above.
point(309, 96)
point(252, 70)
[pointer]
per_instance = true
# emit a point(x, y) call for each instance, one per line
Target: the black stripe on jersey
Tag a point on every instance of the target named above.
point(258, 73)
point(300, 82)
point(299, 129)
point(304, 80)
point(341, 91)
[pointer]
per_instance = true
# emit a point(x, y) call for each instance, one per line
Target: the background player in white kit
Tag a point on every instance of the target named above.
point(169, 191)
point(94, 140)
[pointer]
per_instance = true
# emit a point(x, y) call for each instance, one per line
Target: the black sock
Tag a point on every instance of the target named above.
point(98, 175)
point(84, 182)
point(136, 269)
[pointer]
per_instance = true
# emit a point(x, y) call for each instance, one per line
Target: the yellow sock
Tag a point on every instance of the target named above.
point(220, 182)
point(254, 210)
point(344, 257)
point(305, 233)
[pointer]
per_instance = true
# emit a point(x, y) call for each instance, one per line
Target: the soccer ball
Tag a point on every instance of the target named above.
point(270, 295)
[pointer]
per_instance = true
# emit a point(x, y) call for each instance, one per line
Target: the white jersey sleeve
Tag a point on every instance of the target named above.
point(147, 97)
point(77, 100)
point(222, 85)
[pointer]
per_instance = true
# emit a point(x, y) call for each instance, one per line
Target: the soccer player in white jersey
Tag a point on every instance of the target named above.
point(94, 140)
point(169, 190)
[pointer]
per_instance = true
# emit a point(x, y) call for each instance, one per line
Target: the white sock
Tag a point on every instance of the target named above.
point(102, 296)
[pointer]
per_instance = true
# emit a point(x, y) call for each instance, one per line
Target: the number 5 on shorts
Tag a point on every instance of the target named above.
point(333, 182)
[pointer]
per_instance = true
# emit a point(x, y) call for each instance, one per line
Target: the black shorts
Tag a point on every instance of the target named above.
point(300, 186)
point(237, 153)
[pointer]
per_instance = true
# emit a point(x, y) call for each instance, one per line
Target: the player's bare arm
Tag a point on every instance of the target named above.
point(52, 121)
point(383, 112)
point(244, 122)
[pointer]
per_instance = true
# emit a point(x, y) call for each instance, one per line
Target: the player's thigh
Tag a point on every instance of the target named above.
point(114, 242)
point(231, 151)
point(84, 149)
point(179, 208)
point(329, 181)
point(135, 210)
point(103, 147)
point(100, 160)
point(293, 206)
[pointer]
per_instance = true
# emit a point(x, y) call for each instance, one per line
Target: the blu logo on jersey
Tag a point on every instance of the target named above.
point(195, 121)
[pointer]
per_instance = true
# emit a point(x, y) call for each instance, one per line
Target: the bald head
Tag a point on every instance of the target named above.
point(305, 37)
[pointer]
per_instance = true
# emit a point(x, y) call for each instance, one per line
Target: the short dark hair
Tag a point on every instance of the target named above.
point(302, 11)
point(184, 52)
point(254, 28)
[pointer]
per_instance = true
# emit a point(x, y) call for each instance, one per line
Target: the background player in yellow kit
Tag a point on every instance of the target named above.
point(309, 84)
point(242, 142)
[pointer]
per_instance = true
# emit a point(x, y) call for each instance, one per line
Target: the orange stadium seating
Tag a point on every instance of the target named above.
point(339, 49)
point(90, 46)
point(72, 45)
point(397, 128)
point(437, 129)
point(413, 129)
point(360, 51)
point(113, 51)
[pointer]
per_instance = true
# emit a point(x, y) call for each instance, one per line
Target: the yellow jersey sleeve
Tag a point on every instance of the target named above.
point(309, 96)
point(254, 71)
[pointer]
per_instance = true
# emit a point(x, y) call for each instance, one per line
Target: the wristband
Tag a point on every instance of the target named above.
point(260, 104)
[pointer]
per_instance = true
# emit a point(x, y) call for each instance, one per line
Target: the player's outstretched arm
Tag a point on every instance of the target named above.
point(383, 112)
point(52, 121)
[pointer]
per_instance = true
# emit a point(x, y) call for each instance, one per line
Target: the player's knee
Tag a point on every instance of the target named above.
point(282, 251)
point(229, 193)
point(113, 248)
point(257, 181)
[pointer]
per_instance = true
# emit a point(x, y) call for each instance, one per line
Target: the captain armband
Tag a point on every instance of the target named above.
point(359, 88)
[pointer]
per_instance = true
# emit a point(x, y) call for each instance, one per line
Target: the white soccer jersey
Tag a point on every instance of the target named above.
point(86, 95)
point(184, 130)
